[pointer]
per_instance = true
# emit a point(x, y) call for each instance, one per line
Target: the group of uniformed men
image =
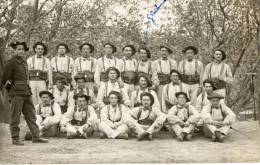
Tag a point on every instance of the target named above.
point(117, 97)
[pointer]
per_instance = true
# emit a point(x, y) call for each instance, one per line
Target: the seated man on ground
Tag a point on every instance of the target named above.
point(80, 121)
point(182, 117)
point(114, 118)
point(217, 118)
point(147, 119)
point(48, 115)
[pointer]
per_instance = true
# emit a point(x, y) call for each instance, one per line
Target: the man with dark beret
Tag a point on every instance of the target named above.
point(163, 67)
point(39, 71)
point(103, 63)
point(16, 81)
point(219, 72)
point(191, 70)
point(85, 64)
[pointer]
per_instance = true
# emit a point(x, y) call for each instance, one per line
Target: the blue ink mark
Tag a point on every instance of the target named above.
point(150, 17)
point(153, 12)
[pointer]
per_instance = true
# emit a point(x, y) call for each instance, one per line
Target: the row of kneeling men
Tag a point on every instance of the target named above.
point(117, 121)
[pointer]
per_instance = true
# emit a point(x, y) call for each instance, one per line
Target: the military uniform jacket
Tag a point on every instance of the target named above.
point(16, 72)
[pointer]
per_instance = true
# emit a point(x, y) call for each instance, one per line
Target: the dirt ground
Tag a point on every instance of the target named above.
point(238, 147)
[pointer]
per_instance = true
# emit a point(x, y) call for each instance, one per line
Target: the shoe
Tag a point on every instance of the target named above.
point(84, 136)
point(102, 135)
point(150, 137)
point(219, 136)
point(213, 138)
point(28, 136)
point(188, 137)
point(17, 142)
point(143, 136)
point(39, 140)
point(122, 136)
point(180, 137)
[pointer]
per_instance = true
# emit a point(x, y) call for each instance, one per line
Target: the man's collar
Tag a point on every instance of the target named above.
point(190, 60)
point(164, 58)
point(19, 59)
point(182, 106)
point(64, 55)
point(46, 105)
point(110, 56)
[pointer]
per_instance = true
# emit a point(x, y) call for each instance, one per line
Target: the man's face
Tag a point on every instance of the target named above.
point(45, 98)
point(143, 82)
point(60, 85)
point(127, 51)
point(143, 55)
point(182, 100)
point(113, 100)
point(61, 49)
point(108, 49)
point(189, 54)
point(81, 102)
point(39, 50)
point(218, 55)
point(19, 50)
point(174, 77)
point(164, 52)
point(214, 101)
point(208, 88)
point(112, 75)
point(81, 83)
point(85, 50)
point(146, 101)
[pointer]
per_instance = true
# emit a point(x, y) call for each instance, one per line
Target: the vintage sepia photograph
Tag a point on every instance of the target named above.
point(129, 81)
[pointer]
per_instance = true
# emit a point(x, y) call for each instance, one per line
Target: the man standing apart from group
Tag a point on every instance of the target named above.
point(16, 81)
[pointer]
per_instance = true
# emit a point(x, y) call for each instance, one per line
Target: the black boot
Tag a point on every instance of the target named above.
point(39, 140)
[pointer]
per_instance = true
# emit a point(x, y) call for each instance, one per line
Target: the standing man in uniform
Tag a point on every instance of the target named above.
point(62, 64)
point(128, 68)
point(105, 62)
point(144, 68)
point(85, 64)
point(192, 71)
point(15, 79)
point(163, 67)
point(219, 72)
point(39, 71)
